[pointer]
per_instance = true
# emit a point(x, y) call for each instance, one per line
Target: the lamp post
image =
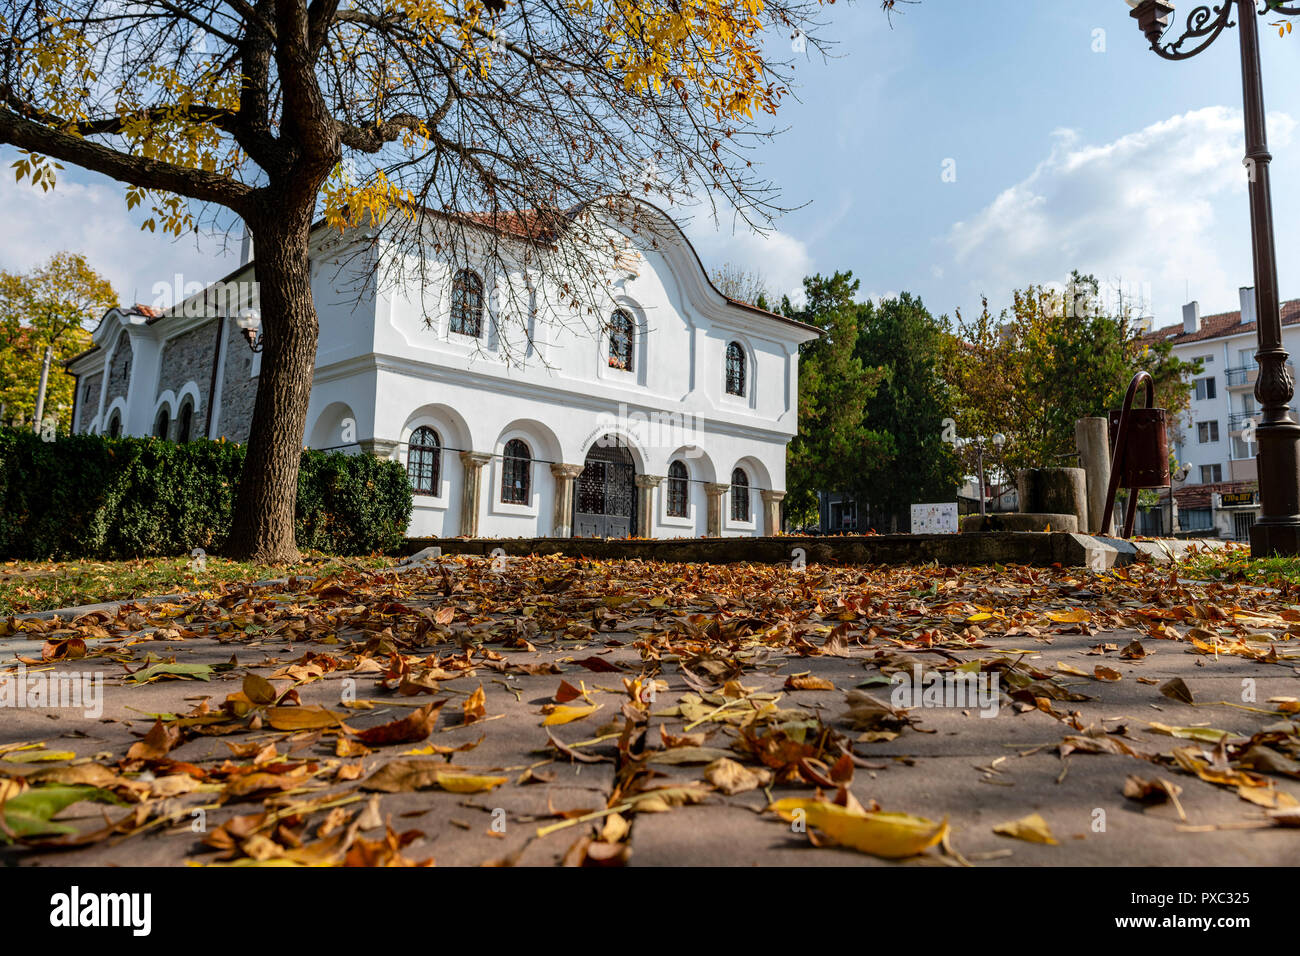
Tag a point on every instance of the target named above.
point(998, 440)
point(1278, 529)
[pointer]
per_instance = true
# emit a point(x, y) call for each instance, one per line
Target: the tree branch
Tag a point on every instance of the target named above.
point(136, 170)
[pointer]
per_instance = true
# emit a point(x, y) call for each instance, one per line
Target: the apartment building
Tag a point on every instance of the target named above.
point(1215, 487)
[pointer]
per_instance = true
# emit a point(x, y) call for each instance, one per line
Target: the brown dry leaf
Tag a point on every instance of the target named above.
point(731, 777)
point(258, 689)
point(304, 718)
point(1154, 790)
point(1177, 689)
point(808, 682)
point(567, 692)
point(156, 744)
point(412, 728)
point(384, 852)
point(474, 707)
point(1133, 651)
point(404, 776)
point(1106, 673)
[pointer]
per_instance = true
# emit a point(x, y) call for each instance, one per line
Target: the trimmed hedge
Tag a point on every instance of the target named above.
point(86, 496)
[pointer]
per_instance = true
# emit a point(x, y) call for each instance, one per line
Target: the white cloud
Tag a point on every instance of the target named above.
point(781, 259)
point(88, 214)
point(1162, 210)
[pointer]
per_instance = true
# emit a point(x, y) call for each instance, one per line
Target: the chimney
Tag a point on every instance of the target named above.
point(1247, 303)
point(1192, 317)
point(246, 247)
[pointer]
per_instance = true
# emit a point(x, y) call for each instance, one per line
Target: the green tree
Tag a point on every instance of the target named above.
point(907, 344)
point(1053, 358)
point(53, 305)
point(834, 386)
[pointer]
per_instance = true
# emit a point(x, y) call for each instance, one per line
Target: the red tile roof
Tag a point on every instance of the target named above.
point(1218, 325)
point(1199, 496)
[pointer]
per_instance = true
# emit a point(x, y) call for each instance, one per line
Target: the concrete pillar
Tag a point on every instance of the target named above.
point(562, 522)
point(379, 447)
point(645, 504)
point(1053, 491)
point(713, 523)
point(471, 499)
point(772, 512)
point(1092, 438)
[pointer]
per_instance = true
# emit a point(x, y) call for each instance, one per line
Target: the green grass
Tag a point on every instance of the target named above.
point(1234, 563)
point(26, 587)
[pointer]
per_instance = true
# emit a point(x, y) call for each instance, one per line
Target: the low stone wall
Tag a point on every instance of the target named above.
point(1040, 549)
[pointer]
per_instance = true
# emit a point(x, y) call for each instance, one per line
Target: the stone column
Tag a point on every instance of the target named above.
point(715, 491)
point(772, 512)
point(471, 498)
point(1092, 438)
point(562, 522)
point(645, 504)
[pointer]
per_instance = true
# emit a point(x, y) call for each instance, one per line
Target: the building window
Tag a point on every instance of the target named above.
point(185, 423)
point(1205, 389)
point(161, 424)
point(115, 426)
point(516, 468)
point(1242, 450)
point(735, 369)
point(678, 490)
point(1207, 432)
point(621, 330)
point(739, 495)
point(1195, 519)
point(424, 461)
point(1210, 474)
point(467, 304)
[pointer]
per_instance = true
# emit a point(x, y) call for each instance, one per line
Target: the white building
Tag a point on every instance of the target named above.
point(1218, 493)
point(671, 419)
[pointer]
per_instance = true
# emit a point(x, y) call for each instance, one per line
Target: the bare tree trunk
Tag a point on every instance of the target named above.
point(262, 529)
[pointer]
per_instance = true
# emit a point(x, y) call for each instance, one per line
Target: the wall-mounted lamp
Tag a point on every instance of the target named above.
point(249, 321)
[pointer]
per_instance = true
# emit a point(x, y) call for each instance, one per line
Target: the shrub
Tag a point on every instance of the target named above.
point(86, 496)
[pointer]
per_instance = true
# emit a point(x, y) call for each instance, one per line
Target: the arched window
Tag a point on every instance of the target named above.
point(115, 426)
point(424, 461)
point(185, 423)
point(162, 423)
point(467, 303)
point(678, 490)
point(621, 330)
point(739, 495)
point(735, 369)
point(516, 471)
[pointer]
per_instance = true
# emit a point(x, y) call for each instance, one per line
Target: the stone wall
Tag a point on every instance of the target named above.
point(188, 358)
point(88, 400)
point(119, 373)
point(238, 388)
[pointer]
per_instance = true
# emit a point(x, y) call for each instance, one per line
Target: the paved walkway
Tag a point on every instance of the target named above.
point(682, 666)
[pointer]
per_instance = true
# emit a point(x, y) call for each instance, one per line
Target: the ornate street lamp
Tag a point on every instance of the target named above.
point(1278, 529)
point(249, 321)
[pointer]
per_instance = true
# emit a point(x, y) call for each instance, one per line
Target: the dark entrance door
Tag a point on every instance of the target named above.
point(605, 505)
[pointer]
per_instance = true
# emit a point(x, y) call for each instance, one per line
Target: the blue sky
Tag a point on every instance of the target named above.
point(1114, 162)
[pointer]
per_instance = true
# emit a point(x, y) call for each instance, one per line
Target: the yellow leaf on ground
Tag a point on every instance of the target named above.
point(892, 836)
point(1031, 829)
point(1077, 616)
point(563, 714)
